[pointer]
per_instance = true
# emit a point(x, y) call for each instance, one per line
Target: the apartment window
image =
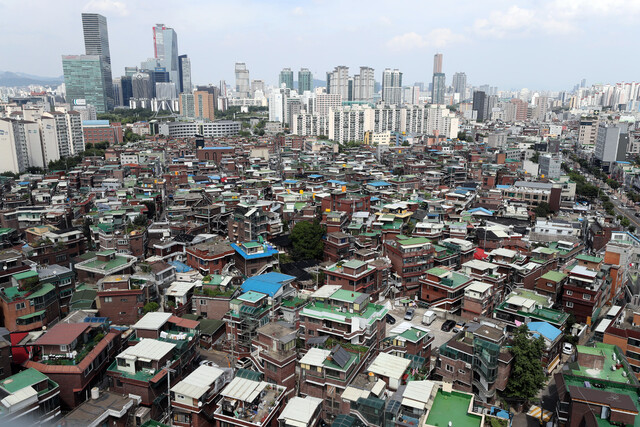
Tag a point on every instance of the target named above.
point(311, 332)
point(202, 302)
point(586, 297)
point(63, 348)
point(108, 299)
point(20, 306)
point(449, 368)
point(569, 304)
point(123, 300)
point(61, 258)
point(569, 293)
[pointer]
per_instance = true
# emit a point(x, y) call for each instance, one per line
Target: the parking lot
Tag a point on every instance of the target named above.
point(440, 337)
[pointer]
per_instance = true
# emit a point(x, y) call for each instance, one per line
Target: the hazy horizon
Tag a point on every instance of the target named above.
point(547, 45)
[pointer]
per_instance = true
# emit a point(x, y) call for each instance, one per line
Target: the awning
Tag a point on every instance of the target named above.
point(29, 316)
point(553, 363)
point(539, 413)
point(413, 404)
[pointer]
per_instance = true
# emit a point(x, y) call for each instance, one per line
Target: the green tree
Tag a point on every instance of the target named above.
point(536, 157)
point(150, 306)
point(151, 209)
point(625, 222)
point(526, 378)
point(542, 210)
point(613, 184)
point(140, 220)
point(306, 238)
point(86, 230)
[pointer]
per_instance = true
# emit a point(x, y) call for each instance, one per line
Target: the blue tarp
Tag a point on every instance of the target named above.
point(181, 267)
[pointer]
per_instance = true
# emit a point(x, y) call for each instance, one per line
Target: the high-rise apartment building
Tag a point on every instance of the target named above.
point(326, 101)
point(437, 63)
point(242, 80)
point(96, 42)
point(391, 86)
point(611, 144)
point(165, 50)
point(257, 85)
point(480, 104)
point(541, 108)
point(203, 103)
point(15, 142)
point(363, 85)
point(338, 82)
point(305, 81)
point(460, 84)
point(439, 81)
point(286, 78)
point(187, 105)
point(85, 81)
point(184, 68)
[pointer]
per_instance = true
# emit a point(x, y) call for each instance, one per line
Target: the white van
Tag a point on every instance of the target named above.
point(428, 317)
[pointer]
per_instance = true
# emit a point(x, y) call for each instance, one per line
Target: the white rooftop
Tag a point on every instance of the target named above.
point(149, 349)
point(315, 357)
point(326, 291)
point(299, 411)
point(179, 289)
point(388, 365)
point(352, 394)
point(198, 382)
point(477, 286)
point(243, 389)
point(508, 253)
point(417, 394)
point(153, 321)
point(479, 265)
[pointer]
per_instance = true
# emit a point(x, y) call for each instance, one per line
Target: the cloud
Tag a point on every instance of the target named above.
point(437, 38)
point(107, 6)
point(298, 11)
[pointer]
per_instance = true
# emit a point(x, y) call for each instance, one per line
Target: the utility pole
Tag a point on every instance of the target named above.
point(169, 371)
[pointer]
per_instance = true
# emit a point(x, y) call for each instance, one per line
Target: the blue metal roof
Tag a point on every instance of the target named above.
point(379, 184)
point(334, 181)
point(545, 329)
point(315, 176)
point(474, 210)
point(290, 181)
point(95, 123)
point(503, 186)
point(217, 148)
point(269, 251)
point(269, 283)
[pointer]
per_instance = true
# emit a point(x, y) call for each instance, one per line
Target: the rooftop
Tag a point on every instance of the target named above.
point(453, 407)
point(95, 412)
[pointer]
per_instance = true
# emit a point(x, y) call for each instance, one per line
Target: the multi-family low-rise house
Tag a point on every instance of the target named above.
point(551, 284)
point(476, 360)
point(75, 356)
point(193, 400)
point(443, 288)
point(98, 265)
point(410, 258)
point(552, 338)
point(47, 245)
point(210, 257)
point(523, 306)
point(254, 258)
point(478, 301)
point(585, 290)
point(249, 403)
point(275, 355)
point(412, 342)
point(337, 246)
point(247, 313)
point(301, 411)
point(29, 305)
point(353, 275)
point(623, 330)
point(29, 398)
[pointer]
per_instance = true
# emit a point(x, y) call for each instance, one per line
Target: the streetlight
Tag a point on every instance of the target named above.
point(169, 371)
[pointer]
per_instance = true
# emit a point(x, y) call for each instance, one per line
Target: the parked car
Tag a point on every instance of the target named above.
point(448, 325)
point(409, 314)
point(428, 317)
point(460, 326)
point(390, 319)
point(208, 363)
point(567, 348)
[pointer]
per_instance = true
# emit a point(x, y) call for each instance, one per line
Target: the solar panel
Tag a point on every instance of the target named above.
point(340, 356)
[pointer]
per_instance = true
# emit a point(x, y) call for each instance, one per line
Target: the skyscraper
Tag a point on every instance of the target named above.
point(391, 86)
point(439, 81)
point(437, 63)
point(96, 42)
point(257, 85)
point(85, 81)
point(305, 81)
point(242, 80)
point(338, 82)
point(165, 50)
point(480, 104)
point(363, 84)
point(184, 68)
point(460, 84)
point(286, 77)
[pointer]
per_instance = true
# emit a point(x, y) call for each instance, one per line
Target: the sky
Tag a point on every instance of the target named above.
point(537, 44)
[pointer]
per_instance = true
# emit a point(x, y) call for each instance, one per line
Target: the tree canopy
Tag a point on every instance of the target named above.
point(542, 210)
point(306, 238)
point(526, 378)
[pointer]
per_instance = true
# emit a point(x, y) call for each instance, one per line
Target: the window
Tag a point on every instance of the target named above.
point(123, 300)
point(569, 293)
point(63, 348)
point(202, 302)
point(586, 297)
point(569, 304)
point(61, 258)
point(108, 299)
point(449, 368)
point(312, 332)
point(20, 306)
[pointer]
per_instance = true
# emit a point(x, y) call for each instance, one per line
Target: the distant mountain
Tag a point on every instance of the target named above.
point(8, 78)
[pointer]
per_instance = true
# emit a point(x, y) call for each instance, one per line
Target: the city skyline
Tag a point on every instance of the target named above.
point(531, 42)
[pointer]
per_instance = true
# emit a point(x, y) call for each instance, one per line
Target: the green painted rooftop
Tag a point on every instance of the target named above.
point(43, 290)
point(25, 275)
point(344, 295)
point(319, 310)
point(452, 407)
point(118, 261)
point(23, 379)
point(589, 258)
point(354, 263)
point(606, 351)
point(554, 276)
point(437, 271)
point(251, 296)
point(413, 241)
